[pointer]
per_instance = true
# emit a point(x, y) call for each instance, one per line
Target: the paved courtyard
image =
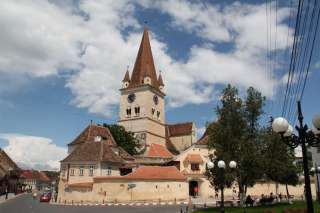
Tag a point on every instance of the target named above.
point(26, 204)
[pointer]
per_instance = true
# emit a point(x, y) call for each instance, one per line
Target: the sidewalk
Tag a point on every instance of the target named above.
point(3, 197)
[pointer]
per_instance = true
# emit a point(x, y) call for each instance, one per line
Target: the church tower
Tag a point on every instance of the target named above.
point(142, 98)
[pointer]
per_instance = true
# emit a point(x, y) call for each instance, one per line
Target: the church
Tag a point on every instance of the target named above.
point(97, 170)
point(171, 162)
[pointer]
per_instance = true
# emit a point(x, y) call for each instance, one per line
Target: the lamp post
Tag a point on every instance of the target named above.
point(222, 166)
point(316, 170)
point(304, 138)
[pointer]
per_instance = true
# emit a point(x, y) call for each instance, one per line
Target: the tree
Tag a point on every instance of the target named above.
point(226, 134)
point(235, 136)
point(124, 139)
point(279, 160)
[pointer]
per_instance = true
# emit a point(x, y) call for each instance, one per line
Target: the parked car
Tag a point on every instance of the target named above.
point(45, 197)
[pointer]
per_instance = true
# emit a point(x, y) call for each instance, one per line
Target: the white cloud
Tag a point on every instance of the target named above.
point(49, 38)
point(32, 151)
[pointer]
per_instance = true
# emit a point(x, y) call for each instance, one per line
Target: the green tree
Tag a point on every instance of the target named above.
point(226, 134)
point(236, 135)
point(279, 160)
point(124, 139)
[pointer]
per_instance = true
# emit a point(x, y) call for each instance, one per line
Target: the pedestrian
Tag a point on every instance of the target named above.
point(6, 192)
point(234, 193)
point(216, 196)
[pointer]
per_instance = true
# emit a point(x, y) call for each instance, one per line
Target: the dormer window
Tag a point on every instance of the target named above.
point(137, 111)
point(98, 138)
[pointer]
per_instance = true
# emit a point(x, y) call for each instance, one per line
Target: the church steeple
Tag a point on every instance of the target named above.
point(144, 71)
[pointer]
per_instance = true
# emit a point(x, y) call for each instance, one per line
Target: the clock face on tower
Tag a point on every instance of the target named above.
point(131, 97)
point(155, 99)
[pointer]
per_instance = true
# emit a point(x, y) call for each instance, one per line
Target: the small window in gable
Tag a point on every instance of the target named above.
point(98, 138)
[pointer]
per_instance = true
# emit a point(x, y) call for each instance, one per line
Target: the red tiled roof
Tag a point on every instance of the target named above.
point(98, 151)
point(144, 65)
point(81, 185)
point(180, 129)
point(93, 130)
point(156, 150)
point(194, 158)
point(150, 173)
point(35, 175)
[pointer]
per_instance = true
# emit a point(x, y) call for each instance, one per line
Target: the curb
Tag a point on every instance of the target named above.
point(11, 198)
point(123, 204)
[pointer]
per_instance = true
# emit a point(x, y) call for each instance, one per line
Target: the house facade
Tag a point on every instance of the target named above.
point(35, 180)
point(9, 173)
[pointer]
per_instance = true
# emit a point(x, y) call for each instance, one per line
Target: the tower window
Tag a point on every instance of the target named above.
point(128, 112)
point(137, 111)
point(153, 110)
point(158, 114)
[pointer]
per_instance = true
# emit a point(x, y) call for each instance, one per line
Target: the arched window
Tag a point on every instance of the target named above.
point(137, 111)
point(158, 115)
point(128, 112)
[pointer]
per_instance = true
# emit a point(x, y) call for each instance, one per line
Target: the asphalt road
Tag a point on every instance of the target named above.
point(26, 204)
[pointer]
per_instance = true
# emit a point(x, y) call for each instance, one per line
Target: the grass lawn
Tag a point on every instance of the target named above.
point(278, 208)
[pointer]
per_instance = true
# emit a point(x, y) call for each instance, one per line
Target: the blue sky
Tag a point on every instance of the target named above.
point(63, 61)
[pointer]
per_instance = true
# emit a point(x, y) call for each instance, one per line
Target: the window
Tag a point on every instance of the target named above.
point(158, 114)
point(195, 167)
point(137, 111)
point(153, 110)
point(109, 170)
point(91, 170)
point(71, 172)
point(128, 112)
point(81, 171)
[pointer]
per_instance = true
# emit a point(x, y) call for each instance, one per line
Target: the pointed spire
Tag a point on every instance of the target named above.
point(144, 65)
point(126, 77)
point(160, 81)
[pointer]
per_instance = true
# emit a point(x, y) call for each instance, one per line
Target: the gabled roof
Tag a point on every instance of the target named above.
point(180, 129)
point(6, 162)
point(194, 158)
point(150, 173)
point(159, 151)
point(90, 132)
point(144, 65)
point(35, 175)
point(98, 151)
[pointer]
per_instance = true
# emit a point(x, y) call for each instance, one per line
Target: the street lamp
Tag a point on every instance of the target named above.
point(305, 137)
point(222, 165)
point(316, 170)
